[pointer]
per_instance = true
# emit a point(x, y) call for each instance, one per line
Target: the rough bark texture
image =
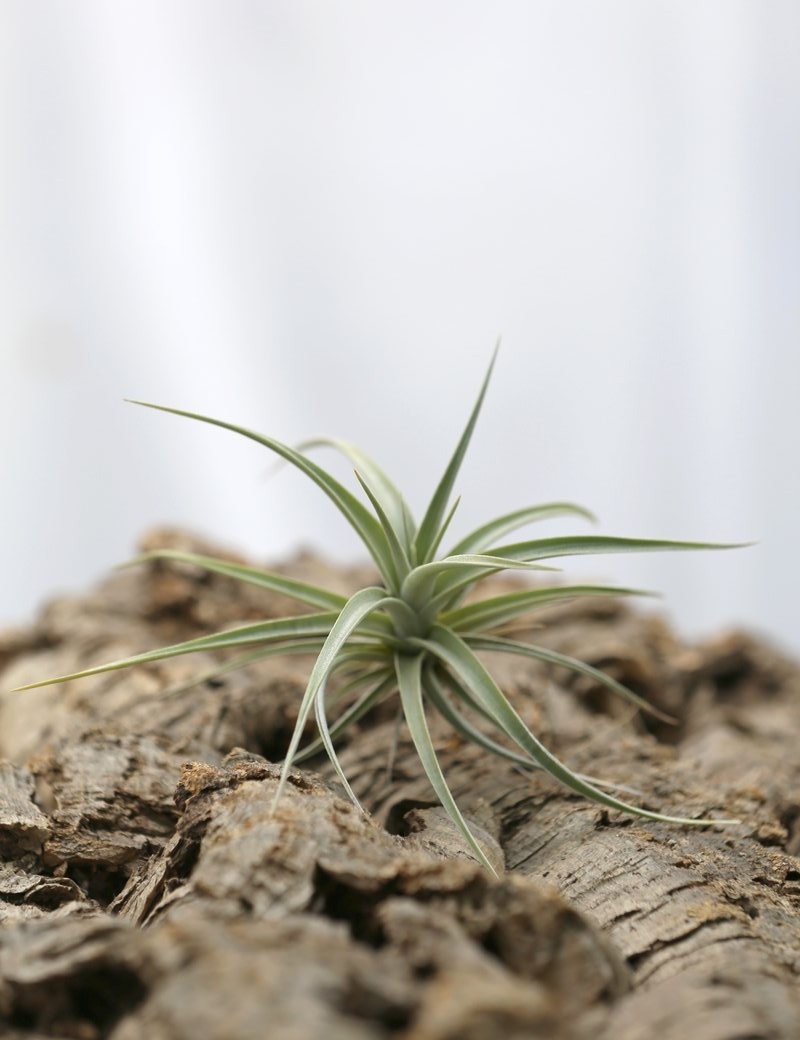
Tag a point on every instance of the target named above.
point(146, 890)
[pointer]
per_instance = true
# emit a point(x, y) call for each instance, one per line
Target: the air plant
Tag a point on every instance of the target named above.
point(414, 634)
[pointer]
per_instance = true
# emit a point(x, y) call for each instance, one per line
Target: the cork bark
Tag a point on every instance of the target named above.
point(147, 890)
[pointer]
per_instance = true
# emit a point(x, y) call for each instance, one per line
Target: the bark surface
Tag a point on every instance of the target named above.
point(147, 890)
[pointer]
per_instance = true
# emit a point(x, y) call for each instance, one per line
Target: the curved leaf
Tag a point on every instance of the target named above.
point(401, 564)
point(462, 725)
point(408, 669)
point(418, 588)
point(496, 611)
point(596, 545)
point(367, 527)
point(361, 652)
point(459, 658)
point(540, 653)
point(444, 528)
point(260, 632)
point(313, 595)
point(381, 486)
point(358, 607)
point(482, 537)
point(327, 743)
point(356, 711)
point(432, 521)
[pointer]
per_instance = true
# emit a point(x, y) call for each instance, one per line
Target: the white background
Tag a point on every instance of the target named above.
point(315, 216)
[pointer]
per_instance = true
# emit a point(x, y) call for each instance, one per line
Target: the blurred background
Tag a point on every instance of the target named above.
point(316, 216)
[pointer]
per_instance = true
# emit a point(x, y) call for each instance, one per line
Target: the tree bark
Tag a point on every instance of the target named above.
point(147, 890)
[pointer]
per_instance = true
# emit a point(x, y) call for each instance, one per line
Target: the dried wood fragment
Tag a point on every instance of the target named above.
point(23, 827)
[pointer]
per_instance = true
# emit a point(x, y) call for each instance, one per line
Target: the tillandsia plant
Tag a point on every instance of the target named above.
point(414, 634)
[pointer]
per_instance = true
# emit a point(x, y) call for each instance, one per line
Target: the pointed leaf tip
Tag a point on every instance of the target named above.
point(432, 521)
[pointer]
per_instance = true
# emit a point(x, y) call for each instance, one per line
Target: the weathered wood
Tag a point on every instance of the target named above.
point(311, 922)
point(708, 920)
point(23, 827)
point(148, 890)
